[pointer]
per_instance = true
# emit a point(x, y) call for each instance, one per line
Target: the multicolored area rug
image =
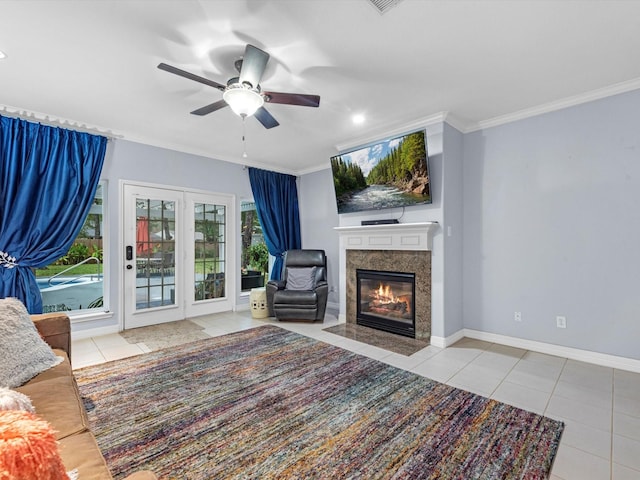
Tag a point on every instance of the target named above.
point(268, 403)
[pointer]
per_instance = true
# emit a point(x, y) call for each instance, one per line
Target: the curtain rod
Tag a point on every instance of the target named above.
point(56, 122)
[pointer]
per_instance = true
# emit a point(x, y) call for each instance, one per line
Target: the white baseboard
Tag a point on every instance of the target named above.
point(603, 359)
point(444, 342)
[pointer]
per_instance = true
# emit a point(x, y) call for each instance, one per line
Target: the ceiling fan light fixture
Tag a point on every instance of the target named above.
point(243, 92)
point(242, 100)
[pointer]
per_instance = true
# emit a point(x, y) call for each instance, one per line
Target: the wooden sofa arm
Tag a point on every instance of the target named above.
point(55, 329)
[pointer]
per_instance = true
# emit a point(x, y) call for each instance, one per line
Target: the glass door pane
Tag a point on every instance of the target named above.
point(153, 272)
point(210, 263)
point(155, 253)
point(178, 262)
point(209, 251)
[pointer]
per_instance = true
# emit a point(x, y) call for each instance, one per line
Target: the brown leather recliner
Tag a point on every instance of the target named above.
point(302, 292)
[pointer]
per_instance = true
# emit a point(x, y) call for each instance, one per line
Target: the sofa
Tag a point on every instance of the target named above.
point(56, 398)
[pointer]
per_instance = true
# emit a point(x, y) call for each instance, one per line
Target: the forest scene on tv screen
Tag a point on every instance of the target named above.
point(391, 173)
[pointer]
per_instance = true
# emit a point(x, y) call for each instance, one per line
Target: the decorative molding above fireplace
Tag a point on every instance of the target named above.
point(399, 236)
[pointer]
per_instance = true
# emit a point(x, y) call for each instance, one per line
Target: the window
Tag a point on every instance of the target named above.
point(255, 256)
point(75, 282)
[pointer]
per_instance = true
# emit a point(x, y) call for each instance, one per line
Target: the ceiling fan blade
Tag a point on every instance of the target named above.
point(191, 76)
point(265, 118)
point(253, 64)
point(292, 99)
point(210, 108)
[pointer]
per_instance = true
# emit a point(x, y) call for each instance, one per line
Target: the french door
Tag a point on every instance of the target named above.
point(178, 260)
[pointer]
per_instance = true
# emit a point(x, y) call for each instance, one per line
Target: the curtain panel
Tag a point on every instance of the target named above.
point(276, 197)
point(48, 178)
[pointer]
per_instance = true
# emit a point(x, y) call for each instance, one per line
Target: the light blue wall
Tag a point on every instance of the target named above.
point(318, 217)
point(452, 229)
point(544, 218)
point(551, 227)
point(145, 163)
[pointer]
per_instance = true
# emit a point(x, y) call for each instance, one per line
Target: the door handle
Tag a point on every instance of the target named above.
point(129, 252)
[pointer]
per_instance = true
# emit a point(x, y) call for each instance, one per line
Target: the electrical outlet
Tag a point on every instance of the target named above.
point(517, 316)
point(561, 322)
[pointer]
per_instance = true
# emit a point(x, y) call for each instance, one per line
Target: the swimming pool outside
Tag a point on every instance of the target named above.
point(74, 293)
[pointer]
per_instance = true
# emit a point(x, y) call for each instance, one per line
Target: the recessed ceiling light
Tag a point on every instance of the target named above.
point(2, 55)
point(358, 118)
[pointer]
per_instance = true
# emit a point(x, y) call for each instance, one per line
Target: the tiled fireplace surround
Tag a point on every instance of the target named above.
point(395, 248)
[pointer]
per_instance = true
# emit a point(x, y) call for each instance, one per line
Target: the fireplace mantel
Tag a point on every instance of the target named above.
point(398, 236)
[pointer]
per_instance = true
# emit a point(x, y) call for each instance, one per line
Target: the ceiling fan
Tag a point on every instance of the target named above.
point(243, 93)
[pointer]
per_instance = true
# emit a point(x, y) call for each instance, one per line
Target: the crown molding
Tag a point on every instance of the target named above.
point(434, 121)
point(455, 122)
point(389, 132)
point(574, 100)
point(315, 169)
point(467, 127)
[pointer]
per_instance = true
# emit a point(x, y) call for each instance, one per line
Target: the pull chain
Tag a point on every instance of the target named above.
point(244, 143)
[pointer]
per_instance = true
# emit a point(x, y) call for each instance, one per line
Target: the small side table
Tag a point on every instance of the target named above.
point(258, 303)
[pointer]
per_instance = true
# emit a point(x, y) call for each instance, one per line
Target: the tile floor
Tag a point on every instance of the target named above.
point(600, 406)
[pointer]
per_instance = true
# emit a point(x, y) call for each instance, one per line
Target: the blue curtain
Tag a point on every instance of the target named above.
point(48, 178)
point(276, 197)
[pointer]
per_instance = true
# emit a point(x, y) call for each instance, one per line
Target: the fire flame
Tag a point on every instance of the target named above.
point(384, 295)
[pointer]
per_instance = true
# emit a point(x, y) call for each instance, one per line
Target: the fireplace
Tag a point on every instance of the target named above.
point(417, 263)
point(388, 248)
point(386, 301)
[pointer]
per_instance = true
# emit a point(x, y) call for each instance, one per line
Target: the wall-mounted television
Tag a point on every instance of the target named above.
point(386, 174)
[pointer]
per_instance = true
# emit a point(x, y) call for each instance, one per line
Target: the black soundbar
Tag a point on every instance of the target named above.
point(384, 221)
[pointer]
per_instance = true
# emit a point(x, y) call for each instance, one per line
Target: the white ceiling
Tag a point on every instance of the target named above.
point(93, 63)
